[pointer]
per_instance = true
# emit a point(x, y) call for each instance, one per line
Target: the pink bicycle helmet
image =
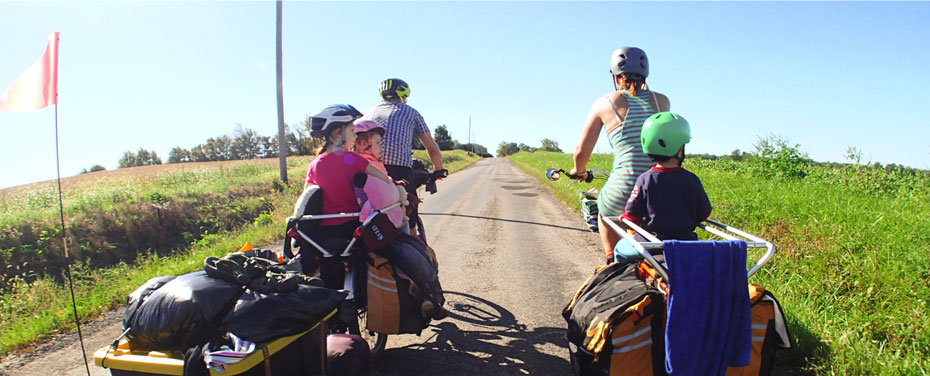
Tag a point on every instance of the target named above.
point(363, 126)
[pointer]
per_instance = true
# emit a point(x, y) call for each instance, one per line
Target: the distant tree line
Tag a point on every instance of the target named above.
point(508, 148)
point(93, 168)
point(245, 143)
point(140, 158)
point(445, 142)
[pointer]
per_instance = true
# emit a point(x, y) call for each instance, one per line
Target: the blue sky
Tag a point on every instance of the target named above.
point(156, 75)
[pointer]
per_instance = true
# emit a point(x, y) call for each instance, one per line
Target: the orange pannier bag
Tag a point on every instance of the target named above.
point(616, 324)
point(392, 306)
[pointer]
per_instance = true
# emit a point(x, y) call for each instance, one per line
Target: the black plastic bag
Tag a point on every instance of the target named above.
point(182, 313)
point(260, 317)
point(135, 299)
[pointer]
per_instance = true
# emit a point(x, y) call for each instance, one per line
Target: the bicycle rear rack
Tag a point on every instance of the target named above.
point(713, 227)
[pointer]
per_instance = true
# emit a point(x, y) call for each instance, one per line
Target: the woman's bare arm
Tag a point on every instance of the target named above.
point(589, 135)
point(663, 103)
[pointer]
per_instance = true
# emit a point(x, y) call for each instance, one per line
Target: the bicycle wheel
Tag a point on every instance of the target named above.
point(376, 341)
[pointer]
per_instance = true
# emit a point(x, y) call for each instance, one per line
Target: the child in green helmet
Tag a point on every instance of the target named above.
point(667, 200)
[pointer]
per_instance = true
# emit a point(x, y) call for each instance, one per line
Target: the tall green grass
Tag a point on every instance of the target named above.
point(33, 309)
point(120, 214)
point(452, 160)
point(853, 265)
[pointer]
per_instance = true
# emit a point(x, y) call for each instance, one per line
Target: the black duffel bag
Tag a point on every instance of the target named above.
point(179, 314)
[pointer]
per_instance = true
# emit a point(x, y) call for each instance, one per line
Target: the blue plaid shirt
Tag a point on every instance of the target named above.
point(401, 123)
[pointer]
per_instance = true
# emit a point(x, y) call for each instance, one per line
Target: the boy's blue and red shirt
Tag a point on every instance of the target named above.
point(668, 202)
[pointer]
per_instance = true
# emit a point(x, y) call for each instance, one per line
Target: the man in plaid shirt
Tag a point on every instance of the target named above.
point(401, 122)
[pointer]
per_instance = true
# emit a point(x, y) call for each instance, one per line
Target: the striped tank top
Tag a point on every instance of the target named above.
point(629, 159)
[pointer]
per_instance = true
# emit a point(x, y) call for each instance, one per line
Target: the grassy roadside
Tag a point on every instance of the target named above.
point(452, 160)
point(852, 271)
point(33, 310)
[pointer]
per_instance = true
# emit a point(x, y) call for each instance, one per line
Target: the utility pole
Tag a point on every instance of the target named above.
point(469, 135)
point(282, 142)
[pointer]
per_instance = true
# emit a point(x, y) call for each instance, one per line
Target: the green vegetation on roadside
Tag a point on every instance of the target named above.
point(852, 270)
point(119, 215)
point(33, 307)
point(452, 160)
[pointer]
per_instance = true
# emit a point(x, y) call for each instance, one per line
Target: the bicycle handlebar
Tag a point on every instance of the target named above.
point(431, 179)
point(554, 174)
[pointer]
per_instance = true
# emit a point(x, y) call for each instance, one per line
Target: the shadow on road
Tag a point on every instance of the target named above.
point(505, 220)
point(500, 346)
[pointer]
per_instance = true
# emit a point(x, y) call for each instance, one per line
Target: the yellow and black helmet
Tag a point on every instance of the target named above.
point(395, 88)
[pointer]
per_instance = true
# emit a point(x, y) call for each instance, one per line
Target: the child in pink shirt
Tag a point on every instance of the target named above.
point(334, 167)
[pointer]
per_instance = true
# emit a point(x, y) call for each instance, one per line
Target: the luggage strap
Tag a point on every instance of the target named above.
point(267, 360)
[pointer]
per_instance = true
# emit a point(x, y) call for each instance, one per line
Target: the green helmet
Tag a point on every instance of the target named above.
point(664, 133)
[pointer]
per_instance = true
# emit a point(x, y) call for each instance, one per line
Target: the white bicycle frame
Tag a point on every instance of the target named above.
point(349, 277)
point(715, 228)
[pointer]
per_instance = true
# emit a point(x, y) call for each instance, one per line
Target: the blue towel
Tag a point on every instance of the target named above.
point(708, 319)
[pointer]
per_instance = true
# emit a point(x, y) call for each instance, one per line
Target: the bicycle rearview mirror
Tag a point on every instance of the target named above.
point(553, 174)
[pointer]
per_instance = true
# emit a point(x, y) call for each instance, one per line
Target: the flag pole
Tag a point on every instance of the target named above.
point(64, 241)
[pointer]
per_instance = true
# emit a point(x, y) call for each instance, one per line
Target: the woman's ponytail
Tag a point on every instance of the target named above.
point(632, 83)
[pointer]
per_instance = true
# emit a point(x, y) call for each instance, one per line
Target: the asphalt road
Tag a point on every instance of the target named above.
point(510, 255)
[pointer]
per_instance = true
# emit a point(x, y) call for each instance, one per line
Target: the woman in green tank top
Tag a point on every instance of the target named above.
point(621, 113)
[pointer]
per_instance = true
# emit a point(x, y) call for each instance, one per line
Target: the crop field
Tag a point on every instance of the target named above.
point(129, 225)
point(852, 271)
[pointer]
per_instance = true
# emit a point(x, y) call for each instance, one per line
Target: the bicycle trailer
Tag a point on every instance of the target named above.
point(620, 322)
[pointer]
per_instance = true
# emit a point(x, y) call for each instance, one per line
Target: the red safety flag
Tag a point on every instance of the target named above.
point(37, 88)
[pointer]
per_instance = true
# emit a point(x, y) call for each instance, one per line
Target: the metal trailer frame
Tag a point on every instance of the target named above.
point(713, 227)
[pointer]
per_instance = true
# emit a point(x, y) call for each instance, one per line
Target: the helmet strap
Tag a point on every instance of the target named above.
point(681, 155)
point(336, 142)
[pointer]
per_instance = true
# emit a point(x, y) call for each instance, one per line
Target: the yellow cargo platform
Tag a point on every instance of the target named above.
point(122, 360)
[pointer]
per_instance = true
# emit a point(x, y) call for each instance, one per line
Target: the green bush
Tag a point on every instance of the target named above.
point(778, 158)
point(263, 219)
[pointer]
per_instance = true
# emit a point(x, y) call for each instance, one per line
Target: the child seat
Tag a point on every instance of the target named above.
point(299, 242)
point(392, 296)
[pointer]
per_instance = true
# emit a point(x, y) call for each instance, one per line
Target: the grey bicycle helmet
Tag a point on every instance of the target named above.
point(629, 60)
point(333, 116)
